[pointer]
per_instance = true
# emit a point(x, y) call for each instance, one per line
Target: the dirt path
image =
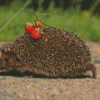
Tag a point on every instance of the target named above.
point(83, 88)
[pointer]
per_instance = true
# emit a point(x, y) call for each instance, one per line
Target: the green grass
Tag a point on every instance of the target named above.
point(84, 24)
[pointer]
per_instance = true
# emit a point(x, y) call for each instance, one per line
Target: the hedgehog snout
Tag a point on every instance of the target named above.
point(2, 64)
point(0, 54)
point(3, 60)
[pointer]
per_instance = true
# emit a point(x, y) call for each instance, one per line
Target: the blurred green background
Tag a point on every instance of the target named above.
point(80, 16)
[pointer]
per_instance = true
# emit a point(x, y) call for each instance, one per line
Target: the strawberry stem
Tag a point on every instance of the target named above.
point(49, 25)
point(44, 15)
point(34, 21)
point(47, 14)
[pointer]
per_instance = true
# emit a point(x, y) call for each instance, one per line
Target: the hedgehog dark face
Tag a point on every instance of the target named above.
point(8, 60)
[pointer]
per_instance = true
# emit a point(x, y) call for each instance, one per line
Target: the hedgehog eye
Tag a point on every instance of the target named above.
point(6, 59)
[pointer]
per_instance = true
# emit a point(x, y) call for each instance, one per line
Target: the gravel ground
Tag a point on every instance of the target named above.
point(79, 88)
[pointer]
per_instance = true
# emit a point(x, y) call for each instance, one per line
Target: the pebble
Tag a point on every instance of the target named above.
point(37, 98)
point(97, 61)
point(20, 95)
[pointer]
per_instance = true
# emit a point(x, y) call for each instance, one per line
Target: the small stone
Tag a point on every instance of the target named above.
point(20, 95)
point(54, 92)
point(52, 98)
point(94, 88)
point(31, 97)
point(37, 98)
point(87, 80)
point(97, 61)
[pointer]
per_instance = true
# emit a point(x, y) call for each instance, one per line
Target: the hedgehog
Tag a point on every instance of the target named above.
point(58, 53)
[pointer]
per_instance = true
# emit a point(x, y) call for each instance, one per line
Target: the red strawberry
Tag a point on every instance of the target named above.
point(35, 27)
point(28, 28)
point(39, 23)
point(35, 34)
